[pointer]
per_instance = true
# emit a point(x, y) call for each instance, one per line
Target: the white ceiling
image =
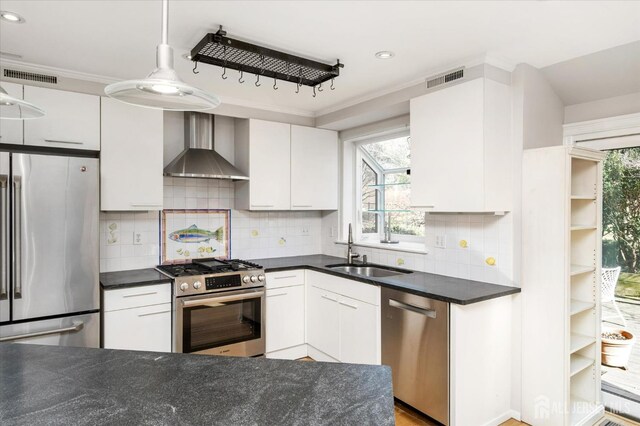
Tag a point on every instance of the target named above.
point(117, 39)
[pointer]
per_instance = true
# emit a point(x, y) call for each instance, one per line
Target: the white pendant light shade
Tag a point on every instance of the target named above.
point(162, 89)
point(16, 109)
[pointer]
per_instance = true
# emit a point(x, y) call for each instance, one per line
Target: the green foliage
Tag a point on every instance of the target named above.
point(621, 209)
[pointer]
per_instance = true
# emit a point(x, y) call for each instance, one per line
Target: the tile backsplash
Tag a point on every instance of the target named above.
point(131, 240)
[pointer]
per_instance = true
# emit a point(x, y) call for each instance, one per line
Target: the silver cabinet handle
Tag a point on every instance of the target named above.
point(244, 296)
point(328, 298)
point(276, 295)
point(424, 207)
point(261, 205)
point(407, 307)
point(59, 141)
point(348, 304)
point(75, 327)
point(154, 313)
point(286, 276)
point(3, 237)
point(145, 205)
point(17, 237)
point(140, 294)
point(302, 205)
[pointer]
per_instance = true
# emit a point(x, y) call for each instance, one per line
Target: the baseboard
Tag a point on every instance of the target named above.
point(594, 417)
point(319, 355)
point(511, 414)
point(294, 352)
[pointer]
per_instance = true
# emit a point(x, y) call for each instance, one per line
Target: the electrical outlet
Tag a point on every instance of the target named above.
point(441, 241)
point(138, 238)
point(305, 230)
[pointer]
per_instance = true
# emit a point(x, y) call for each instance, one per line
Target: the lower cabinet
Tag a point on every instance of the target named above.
point(358, 332)
point(323, 321)
point(137, 318)
point(285, 318)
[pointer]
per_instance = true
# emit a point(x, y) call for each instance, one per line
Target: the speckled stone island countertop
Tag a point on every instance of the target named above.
point(44, 385)
point(440, 287)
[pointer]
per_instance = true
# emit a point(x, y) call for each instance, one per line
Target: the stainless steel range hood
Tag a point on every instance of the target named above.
point(199, 160)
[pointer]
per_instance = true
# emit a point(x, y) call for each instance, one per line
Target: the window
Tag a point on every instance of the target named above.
point(385, 190)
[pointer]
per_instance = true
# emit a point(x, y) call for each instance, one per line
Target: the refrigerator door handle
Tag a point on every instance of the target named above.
point(17, 237)
point(4, 179)
point(77, 326)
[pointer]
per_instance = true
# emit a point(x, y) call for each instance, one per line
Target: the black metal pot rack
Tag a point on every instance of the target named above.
point(218, 49)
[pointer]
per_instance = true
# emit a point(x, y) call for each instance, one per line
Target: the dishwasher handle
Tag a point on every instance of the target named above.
point(431, 313)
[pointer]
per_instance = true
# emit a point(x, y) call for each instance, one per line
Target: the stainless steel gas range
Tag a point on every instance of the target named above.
point(218, 307)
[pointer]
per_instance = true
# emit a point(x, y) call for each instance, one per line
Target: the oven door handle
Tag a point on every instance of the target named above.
point(197, 302)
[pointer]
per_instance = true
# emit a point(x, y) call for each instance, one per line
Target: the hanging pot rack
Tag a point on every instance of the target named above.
point(228, 53)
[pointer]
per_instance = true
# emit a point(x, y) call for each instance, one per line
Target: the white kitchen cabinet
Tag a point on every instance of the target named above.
point(137, 318)
point(11, 130)
point(461, 157)
point(263, 152)
point(284, 318)
point(358, 331)
point(314, 169)
point(323, 321)
point(72, 120)
point(131, 157)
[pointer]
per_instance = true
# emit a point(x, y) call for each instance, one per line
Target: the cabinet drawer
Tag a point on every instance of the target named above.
point(356, 290)
point(285, 278)
point(146, 328)
point(134, 297)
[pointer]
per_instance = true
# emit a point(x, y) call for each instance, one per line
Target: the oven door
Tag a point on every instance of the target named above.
point(229, 323)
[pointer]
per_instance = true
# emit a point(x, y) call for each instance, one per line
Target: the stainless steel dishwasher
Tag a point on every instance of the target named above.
point(415, 344)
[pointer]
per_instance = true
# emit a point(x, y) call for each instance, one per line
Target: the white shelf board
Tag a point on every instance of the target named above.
point(581, 269)
point(583, 197)
point(582, 227)
point(579, 341)
point(579, 363)
point(578, 306)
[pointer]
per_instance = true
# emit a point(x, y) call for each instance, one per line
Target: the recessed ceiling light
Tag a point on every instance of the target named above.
point(385, 54)
point(11, 17)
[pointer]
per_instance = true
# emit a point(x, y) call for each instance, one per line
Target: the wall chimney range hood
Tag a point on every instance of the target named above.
point(199, 160)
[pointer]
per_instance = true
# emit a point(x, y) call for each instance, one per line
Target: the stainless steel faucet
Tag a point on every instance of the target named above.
point(350, 254)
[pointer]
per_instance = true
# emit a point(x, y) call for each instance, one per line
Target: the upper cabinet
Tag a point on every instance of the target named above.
point(131, 157)
point(72, 120)
point(289, 167)
point(461, 157)
point(11, 130)
point(314, 169)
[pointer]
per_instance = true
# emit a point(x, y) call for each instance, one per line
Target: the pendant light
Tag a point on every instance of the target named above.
point(16, 109)
point(162, 89)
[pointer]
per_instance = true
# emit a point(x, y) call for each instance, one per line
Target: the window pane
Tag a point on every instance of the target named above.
point(369, 199)
point(398, 197)
point(391, 154)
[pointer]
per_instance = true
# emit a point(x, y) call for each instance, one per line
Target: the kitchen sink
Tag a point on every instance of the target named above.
point(376, 271)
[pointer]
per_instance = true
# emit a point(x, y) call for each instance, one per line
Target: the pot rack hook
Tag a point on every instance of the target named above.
point(332, 88)
point(314, 91)
point(297, 87)
point(275, 82)
point(320, 89)
point(258, 80)
point(240, 80)
point(224, 73)
point(195, 67)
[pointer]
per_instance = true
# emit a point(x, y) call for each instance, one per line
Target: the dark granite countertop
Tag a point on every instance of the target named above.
point(133, 278)
point(440, 287)
point(43, 385)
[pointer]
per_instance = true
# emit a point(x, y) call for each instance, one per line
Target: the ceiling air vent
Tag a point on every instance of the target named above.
point(445, 78)
point(23, 75)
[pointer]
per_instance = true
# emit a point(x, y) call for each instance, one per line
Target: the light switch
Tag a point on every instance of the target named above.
point(441, 241)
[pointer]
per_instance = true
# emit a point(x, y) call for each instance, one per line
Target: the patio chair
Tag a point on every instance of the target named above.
point(609, 281)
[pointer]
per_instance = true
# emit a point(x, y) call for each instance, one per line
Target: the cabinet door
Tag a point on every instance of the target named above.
point(72, 120)
point(323, 324)
point(314, 169)
point(447, 156)
point(11, 130)
point(141, 329)
point(359, 337)
point(285, 318)
point(270, 165)
point(131, 157)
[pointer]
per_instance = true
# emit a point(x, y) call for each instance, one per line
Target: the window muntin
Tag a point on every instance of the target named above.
point(369, 199)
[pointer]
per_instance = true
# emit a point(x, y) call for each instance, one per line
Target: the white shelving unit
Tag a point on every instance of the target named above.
point(562, 228)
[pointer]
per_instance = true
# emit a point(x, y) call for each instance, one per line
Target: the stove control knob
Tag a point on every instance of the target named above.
point(254, 278)
point(197, 285)
point(245, 279)
point(184, 287)
point(261, 278)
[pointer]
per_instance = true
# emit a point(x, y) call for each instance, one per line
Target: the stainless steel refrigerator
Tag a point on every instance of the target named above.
point(49, 249)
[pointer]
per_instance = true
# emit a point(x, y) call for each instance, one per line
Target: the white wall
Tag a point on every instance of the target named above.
point(603, 108)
